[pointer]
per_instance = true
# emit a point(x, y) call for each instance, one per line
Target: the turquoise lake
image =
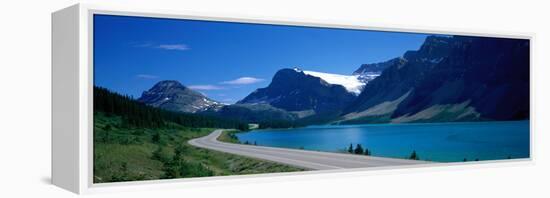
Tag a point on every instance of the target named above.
point(441, 142)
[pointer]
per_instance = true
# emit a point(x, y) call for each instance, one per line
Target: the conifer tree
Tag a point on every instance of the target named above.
point(359, 149)
point(414, 156)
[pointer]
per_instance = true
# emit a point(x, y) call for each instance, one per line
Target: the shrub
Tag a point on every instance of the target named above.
point(367, 152)
point(358, 149)
point(179, 167)
point(414, 156)
point(156, 137)
point(161, 154)
point(180, 150)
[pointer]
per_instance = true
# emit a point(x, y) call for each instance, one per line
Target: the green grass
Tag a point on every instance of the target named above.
point(229, 136)
point(133, 154)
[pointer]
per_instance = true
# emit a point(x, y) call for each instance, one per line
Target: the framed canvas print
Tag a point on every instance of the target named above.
point(145, 98)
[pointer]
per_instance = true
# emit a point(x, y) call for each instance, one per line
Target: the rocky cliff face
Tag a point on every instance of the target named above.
point(375, 69)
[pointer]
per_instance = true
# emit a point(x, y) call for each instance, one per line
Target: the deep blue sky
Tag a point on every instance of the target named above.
point(131, 54)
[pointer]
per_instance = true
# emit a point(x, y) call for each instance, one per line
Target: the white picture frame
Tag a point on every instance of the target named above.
point(72, 99)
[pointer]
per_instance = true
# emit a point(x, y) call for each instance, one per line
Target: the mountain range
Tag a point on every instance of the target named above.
point(447, 79)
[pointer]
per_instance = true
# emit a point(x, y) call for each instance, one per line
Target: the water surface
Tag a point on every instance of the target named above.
point(443, 142)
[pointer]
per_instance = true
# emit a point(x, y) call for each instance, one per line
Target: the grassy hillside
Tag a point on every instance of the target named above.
point(123, 153)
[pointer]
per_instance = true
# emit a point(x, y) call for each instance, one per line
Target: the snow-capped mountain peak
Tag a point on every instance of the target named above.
point(352, 83)
point(172, 95)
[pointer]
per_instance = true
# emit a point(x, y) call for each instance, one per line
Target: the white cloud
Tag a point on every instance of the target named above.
point(243, 81)
point(181, 47)
point(174, 46)
point(146, 76)
point(205, 87)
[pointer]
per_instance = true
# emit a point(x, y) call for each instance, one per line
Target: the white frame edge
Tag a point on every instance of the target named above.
point(72, 101)
point(65, 110)
point(70, 96)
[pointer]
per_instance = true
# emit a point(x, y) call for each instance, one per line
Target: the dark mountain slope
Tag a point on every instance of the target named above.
point(451, 79)
point(292, 90)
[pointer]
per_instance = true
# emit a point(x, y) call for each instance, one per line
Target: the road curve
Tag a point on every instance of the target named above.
point(314, 160)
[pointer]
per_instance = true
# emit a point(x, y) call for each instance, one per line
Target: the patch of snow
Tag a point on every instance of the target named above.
point(371, 74)
point(368, 76)
point(436, 60)
point(294, 92)
point(352, 83)
point(209, 102)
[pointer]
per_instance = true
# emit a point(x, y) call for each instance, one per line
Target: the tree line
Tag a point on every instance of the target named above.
point(365, 151)
point(358, 150)
point(278, 124)
point(137, 114)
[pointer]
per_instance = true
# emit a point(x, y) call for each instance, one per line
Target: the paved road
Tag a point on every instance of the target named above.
point(301, 158)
